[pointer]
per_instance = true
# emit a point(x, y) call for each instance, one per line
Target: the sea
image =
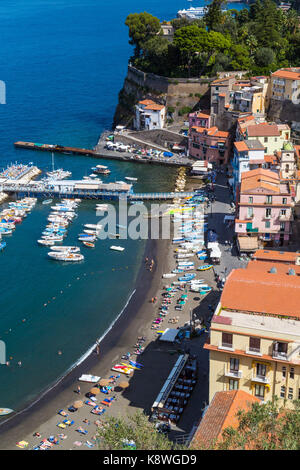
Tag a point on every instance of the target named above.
point(63, 63)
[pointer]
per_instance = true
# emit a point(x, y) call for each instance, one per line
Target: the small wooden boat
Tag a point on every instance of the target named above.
point(5, 411)
point(205, 267)
point(117, 248)
point(47, 201)
point(89, 244)
point(168, 275)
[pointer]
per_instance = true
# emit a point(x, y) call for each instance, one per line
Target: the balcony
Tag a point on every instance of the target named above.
point(279, 355)
point(285, 218)
point(262, 379)
point(254, 351)
point(226, 346)
point(235, 374)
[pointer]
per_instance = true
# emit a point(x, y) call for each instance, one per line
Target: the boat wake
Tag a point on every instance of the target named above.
point(73, 366)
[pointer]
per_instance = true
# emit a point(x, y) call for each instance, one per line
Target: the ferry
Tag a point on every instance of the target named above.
point(101, 170)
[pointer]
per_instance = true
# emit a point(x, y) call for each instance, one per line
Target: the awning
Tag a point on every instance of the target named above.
point(169, 335)
point(248, 243)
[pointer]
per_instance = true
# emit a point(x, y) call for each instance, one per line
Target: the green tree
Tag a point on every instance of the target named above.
point(137, 428)
point(264, 57)
point(142, 26)
point(264, 427)
point(213, 15)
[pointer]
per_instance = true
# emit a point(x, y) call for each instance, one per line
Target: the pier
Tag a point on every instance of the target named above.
point(101, 152)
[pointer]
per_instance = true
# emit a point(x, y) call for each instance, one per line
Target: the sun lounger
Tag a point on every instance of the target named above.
point(89, 403)
point(62, 413)
point(81, 430)
point(61, 425)
point(72, 409)
point(89, 444)
point(68, 422)
point(22, 444)
point(98, 411)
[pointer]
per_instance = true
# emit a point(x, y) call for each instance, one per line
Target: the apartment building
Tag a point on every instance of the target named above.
point(149, 115)
point(254, 341)
point(199, 119)
point(285, 85)
point(264, 210)
point(209, 144)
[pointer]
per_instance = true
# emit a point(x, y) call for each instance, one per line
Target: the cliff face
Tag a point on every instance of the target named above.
point(176, 94)
point(285, 111)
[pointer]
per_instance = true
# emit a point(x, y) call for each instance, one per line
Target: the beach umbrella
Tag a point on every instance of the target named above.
point(78, 404)
point(124, 384)
point(104, 382)
point(95, 391)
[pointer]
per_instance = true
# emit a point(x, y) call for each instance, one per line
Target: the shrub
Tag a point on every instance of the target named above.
point(184, 110)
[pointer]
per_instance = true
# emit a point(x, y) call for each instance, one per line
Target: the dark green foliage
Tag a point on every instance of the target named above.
point(260, 41)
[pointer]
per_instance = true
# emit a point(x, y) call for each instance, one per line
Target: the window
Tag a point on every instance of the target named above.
point(250, 212)
point(280, 349)
point(291, 393)
point(282, 392)
point(261, 370)
point(292, 373)
point(299, 394)
point(284, 200)
point(251, 200)
point(267, 224)
point(269, 199)
point(254, 344)
point(268, 213)
point(234, 364)
point(283, 212)
point(227, 340)
point(265, 139)
point(259, 391)
point(282, 226)
point(233, 384)
point(283, 372)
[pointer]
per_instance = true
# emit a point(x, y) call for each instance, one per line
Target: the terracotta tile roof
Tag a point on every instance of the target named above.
point(275, 255)
point(263, 130)
point(285, 73)
point(271, 159)
point(260, 292)
point(221, 80)
point(146, 102)
point(222, 134)
point(201, 115)
point(151, 105)
point(241, 146)
point(260, 178)
point(221, 414)
point(265, 266)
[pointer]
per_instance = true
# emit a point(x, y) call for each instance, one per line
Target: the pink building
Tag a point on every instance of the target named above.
point(265, 210)
point(199, 119)
point(209, 144)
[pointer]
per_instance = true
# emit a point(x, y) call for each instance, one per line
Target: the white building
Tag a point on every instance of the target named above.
point(149, 115)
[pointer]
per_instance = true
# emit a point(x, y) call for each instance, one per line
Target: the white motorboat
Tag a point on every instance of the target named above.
point(117, 248)
point(93, 226)
point(70, 249)
point(129, 178)
point(90, 232)
point(165, 276)
point(65, 256)
point(46, 242)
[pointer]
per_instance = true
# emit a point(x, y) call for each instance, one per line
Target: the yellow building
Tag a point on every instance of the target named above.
point(272, 136)
point(285, 85)
point(255, 333)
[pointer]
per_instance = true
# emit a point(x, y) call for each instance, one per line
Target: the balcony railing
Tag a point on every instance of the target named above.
point(279, 355)
point(263, 379)
point(236, 374)
point(227, 346)
point(255, 351)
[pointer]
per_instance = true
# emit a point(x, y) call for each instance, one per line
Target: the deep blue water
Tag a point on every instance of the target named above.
point(63, 62)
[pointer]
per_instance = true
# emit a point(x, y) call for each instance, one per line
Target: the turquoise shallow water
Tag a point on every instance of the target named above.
point(63, 62)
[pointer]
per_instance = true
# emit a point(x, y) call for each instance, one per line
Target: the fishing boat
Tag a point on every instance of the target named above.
point(165, 276)
point(93, 226)
point(187, 277)
point(205, 267)
point(5, 411)
point(205, 289)
point(89, 244)
point(117, 248)
point(87, 239)
point(2, 245)
point(47, 201)
point(90, 232)
point(101, 169)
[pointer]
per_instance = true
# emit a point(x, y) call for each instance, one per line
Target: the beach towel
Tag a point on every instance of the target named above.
point(62, 436)
point(89, 403)
point(98, 411)
point(77, 443)
point(68, 422)
point(89, 444)
point(22, 444)
point(62, 413)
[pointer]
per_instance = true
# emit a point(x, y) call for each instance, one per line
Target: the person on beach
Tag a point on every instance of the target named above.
point(78, 390)
point(98, 350)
